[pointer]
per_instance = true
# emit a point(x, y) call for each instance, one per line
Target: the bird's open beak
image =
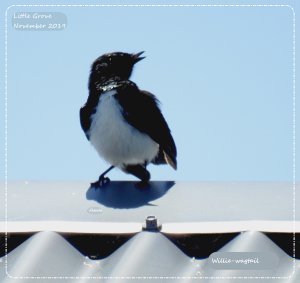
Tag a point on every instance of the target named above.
point(136, 57)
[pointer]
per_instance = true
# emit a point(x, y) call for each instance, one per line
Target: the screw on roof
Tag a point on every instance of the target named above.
point(151, 224)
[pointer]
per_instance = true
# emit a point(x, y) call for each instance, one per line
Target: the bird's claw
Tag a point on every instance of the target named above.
point(103, 181)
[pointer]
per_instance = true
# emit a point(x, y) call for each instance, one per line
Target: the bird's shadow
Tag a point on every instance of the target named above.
point(128, 194)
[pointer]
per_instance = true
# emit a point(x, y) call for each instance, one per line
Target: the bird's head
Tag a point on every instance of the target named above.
point(117, 64)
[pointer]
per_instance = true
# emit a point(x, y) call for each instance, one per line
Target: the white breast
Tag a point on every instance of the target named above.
point(115, 140)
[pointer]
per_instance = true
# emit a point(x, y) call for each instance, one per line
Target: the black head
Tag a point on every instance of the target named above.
point(117, 64)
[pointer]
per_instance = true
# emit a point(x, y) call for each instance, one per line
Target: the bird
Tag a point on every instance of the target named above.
point(122, 122)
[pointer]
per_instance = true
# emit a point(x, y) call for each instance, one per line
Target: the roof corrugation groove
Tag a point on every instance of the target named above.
point(184, 209)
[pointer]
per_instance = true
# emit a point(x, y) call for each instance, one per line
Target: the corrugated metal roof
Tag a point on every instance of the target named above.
point(147, 254)
point(197, 219)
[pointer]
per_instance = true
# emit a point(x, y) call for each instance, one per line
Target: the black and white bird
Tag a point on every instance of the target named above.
point(122, 122)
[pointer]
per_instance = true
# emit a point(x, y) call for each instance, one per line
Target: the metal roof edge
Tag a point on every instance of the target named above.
point(94, 227)
point(231, 227)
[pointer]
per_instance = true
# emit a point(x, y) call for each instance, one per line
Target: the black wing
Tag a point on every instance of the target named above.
point(140, 109)
point(85, 120)
point(86, 111)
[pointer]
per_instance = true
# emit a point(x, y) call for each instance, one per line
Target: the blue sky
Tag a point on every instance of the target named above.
point(224, 76)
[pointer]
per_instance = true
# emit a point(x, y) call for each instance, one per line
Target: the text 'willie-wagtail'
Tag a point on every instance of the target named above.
point(122, 122)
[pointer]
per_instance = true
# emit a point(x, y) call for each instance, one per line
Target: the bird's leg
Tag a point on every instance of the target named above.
point(138, 171)
point(102, 179)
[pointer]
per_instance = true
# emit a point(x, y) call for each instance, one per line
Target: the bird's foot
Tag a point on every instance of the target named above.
point(102, 182)
point(142, 185)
